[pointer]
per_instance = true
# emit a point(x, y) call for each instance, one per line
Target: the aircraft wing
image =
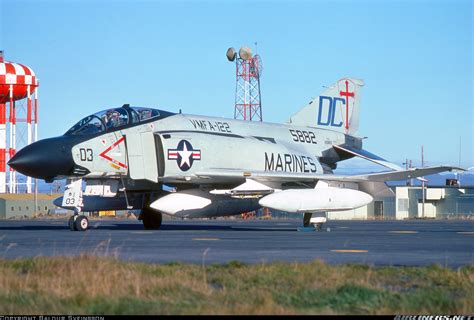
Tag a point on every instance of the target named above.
point(263, 176)
point(400, 174)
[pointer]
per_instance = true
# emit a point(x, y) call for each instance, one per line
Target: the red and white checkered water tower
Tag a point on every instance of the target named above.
point(18, 86)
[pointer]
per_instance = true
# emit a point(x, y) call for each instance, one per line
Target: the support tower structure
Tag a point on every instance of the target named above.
point(248, 69)
point(18, 105)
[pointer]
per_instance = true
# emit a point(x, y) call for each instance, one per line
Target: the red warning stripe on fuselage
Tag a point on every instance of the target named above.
point(106, 157)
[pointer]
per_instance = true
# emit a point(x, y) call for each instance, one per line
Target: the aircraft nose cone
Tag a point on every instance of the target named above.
point(44, 159)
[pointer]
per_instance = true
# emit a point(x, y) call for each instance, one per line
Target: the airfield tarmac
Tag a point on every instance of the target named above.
point(449, 243)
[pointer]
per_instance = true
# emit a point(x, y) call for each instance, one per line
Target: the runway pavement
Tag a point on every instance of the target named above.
point(413, 243)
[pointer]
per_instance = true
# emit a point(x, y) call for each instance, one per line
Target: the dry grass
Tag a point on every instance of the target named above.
point(92, 285)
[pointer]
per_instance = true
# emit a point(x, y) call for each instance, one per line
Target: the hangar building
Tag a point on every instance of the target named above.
point(19, 205)
point(407, 203)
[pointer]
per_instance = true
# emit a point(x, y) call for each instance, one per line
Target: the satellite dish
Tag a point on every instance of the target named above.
point(231, 54)
point(245, 53)
point(257, 65)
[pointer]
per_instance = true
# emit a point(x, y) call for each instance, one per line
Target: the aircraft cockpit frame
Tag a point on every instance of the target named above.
point(114, 119)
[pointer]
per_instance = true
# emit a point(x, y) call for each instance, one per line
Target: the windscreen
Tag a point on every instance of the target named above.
point(89, 125)
point(112, 119)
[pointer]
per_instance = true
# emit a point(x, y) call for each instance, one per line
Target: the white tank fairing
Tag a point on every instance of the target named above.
point(197, 203)
point(316, 200)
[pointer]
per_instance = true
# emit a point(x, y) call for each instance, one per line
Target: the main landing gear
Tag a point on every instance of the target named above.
point(78, 223)
point(151, 219)
point(315, 220)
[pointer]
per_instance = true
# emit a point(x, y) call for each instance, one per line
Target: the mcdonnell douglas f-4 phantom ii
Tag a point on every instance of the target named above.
point(121, 158)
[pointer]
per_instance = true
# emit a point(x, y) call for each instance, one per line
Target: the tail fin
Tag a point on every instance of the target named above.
point(336, 108)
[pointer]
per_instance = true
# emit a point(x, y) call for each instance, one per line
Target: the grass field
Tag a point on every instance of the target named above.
point(92, 285)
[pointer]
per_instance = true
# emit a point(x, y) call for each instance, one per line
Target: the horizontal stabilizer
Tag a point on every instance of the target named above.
point(367, 156)
point(403, 174)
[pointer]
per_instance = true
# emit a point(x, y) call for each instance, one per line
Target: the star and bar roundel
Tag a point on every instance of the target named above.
point(184, 155)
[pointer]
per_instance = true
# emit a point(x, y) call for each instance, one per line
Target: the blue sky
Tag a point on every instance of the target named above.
point(416, 58)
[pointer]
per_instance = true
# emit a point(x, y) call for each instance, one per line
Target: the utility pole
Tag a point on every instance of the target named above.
point(407, 166)
point(36, 197)
point(423, 184)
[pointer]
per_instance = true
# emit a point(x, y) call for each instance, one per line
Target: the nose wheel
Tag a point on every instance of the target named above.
point(78, 223)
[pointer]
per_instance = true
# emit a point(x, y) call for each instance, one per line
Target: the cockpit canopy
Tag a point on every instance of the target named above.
point(112, 119)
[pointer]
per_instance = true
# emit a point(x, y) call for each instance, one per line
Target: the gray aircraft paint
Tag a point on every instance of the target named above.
point(223, 143)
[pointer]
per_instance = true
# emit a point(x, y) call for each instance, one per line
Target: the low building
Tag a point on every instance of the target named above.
point(23, 204)
point(440, 202)
point(407, 203)
point(381, 208)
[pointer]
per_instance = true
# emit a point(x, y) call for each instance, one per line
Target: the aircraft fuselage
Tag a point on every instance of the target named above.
point(188, 144)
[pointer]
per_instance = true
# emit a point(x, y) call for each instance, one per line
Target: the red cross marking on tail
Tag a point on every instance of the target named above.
point(347, 94)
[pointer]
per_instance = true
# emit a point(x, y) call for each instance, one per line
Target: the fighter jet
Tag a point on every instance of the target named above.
point(195, 166)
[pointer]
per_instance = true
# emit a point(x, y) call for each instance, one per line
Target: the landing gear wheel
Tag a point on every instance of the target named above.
point(71, 223)
point(81, 223)
point(307, 219)
point(313, 221)
point(151, 219)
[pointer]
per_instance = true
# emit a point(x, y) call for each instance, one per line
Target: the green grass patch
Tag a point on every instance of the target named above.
point(94, 285)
